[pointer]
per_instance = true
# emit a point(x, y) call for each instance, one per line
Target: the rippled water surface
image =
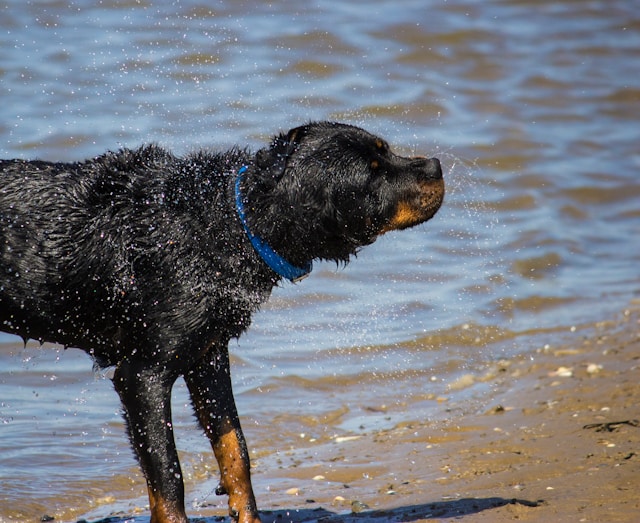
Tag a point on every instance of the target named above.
point(533, 109)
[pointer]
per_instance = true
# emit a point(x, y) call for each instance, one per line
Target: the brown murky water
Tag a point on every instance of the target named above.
point(532, 108)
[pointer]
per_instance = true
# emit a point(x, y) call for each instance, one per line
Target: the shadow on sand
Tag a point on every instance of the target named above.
point(436, 510)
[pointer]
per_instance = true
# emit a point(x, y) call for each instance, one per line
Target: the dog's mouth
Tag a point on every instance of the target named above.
point(418, 208)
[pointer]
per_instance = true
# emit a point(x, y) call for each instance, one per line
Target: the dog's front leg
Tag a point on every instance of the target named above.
point(209, 383)
point(146, 398)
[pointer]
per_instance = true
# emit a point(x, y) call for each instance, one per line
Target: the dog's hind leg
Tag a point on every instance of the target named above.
point(209, 383)
point(146, 397)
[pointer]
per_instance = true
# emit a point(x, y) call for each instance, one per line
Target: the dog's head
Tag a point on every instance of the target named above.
point(327, 189)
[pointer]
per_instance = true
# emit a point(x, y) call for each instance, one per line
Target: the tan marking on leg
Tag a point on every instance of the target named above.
point(163, 511)
point(236, 477)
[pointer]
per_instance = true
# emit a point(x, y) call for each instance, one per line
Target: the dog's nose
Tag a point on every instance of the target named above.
point(436, 168)
point(430, 166)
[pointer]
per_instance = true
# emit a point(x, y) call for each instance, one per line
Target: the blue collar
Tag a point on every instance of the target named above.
point(276, 262)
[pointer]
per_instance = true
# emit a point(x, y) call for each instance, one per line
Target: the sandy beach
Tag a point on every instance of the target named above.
point(558, 442)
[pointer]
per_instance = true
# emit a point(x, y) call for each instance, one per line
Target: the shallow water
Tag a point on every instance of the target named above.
point(532, 108)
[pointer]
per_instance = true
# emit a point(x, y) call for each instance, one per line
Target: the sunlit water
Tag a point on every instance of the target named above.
point(531, 106)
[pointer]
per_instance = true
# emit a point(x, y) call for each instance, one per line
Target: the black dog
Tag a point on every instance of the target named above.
point(152, 263)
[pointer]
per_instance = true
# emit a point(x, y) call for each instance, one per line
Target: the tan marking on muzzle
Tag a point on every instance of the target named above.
point(418, 209)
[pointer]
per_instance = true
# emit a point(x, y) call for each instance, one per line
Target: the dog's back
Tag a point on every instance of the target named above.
point(69, 237)
point(37, 200)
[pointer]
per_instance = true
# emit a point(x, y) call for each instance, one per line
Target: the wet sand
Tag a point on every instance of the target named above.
point(559, 441)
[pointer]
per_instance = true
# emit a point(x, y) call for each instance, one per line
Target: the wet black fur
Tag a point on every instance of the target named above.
point(139, 258)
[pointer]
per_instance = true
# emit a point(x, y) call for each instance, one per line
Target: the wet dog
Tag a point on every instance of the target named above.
point(152, 263)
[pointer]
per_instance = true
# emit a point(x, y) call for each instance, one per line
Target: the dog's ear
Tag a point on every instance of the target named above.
point(274, 158)
point(287, 145)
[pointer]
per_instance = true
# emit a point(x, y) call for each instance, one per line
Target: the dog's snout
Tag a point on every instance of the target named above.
point(430, 166)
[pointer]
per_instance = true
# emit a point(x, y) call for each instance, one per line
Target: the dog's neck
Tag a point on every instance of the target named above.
point(276, 262)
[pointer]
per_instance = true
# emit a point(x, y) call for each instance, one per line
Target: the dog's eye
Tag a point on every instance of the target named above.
point(381, 146)
point(375, 164)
